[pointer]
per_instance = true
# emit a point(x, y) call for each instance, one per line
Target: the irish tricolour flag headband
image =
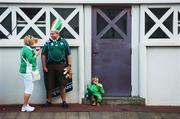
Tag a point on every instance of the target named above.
point(56, 25)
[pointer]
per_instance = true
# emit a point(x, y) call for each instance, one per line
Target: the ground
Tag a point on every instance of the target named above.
point(76, 111)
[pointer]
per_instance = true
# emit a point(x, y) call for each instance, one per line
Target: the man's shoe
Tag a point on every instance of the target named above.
point(64, 104)
point(47, 104)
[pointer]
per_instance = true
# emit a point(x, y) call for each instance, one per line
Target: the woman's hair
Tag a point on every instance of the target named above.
point(30, 40)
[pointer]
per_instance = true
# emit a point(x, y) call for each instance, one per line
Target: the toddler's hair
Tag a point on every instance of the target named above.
point(95, 78)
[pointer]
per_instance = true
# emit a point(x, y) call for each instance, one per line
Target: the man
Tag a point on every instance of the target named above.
point(56, 56)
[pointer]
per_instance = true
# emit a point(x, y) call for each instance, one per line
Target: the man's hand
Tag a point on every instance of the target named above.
point(45, 69)
point(68, 68)
point(69, 71)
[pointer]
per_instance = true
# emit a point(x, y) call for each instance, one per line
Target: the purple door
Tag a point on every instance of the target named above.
point(111, 48)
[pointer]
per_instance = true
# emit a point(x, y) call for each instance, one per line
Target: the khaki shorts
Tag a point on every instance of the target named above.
point(54, 76)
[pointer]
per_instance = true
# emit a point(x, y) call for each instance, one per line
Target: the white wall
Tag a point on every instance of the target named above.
point(11, 85)
point(91, 1)
point(163, 76)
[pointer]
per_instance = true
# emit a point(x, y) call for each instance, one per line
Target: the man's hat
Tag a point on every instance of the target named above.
point(56, 25)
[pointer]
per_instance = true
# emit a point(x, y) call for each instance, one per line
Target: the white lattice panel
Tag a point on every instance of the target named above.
point(22, 21)
point(160, 24)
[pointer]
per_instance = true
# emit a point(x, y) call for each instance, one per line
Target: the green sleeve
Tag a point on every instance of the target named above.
point(90, 89)
point(67, 50)
point(45, 49)
point(102, 90)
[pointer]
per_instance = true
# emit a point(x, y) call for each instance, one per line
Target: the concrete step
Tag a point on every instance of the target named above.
point(120, 100)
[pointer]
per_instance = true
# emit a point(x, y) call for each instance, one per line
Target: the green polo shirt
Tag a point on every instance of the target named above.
point(56, 51)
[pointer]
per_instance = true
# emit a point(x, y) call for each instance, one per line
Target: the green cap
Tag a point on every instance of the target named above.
point(56, 25)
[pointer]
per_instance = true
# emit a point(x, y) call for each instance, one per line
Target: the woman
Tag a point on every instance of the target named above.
point(27, 65)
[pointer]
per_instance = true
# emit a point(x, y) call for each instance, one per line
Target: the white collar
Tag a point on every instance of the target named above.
point(28, 47)
point(54, 40)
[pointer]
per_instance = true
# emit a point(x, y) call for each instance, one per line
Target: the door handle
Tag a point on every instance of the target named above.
point(95, 52)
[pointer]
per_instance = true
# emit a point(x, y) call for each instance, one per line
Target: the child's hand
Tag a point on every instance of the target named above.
point(100, 85)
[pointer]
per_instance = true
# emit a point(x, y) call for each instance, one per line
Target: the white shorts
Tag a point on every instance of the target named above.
point(28, 83)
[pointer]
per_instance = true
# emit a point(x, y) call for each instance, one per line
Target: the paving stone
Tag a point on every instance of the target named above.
point(36, 115)
point(84, 115)
point(2, 115)
point(60, 115)
point(110, 115)
point(23, 115)
point(47, 115)
point(148, 115)
point(72, 115)
point(170, 115)
point(11, 115)
point(95, 115)
point(126, 115)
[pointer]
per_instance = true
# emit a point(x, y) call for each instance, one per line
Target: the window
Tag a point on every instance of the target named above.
point(153, 18)
point(5, 24)
point(31, 13)
point(73, 23)
point(37, 21)
point(112, 23)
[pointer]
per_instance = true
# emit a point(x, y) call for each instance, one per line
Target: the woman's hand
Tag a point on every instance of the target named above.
point(37, 52)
